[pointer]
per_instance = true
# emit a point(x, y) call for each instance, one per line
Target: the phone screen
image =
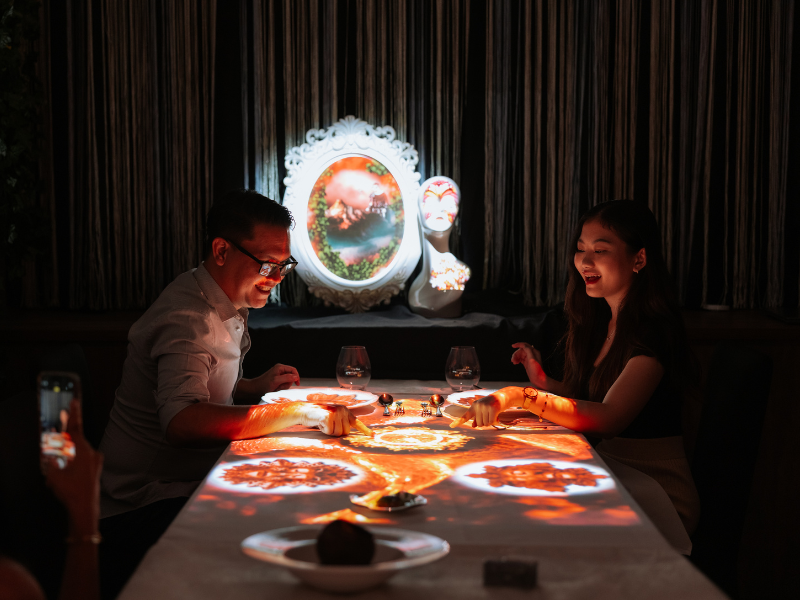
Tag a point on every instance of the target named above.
point(56, 391)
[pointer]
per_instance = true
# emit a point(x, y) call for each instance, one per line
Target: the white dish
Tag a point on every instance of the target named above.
point(531, 477)
point(359, 398)
point(294, 548)
point(460, 398)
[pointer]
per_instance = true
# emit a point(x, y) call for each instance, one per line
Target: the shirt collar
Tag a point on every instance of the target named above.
point(218, 298)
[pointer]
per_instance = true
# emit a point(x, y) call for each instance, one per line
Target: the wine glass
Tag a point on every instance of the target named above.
point(462, 371)
point(353, 369)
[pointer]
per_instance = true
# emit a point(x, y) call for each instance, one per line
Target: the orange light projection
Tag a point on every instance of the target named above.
point(411, 438)
point(537, 476)
point(531, 477)
point(345, 515)
point(283, 473)
point(477, 477)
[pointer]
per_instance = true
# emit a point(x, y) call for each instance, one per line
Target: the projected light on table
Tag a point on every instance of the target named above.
point(284, 475)
point(526, 477)
point(411, 438)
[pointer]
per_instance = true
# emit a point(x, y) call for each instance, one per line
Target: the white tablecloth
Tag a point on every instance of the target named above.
point(593, 548)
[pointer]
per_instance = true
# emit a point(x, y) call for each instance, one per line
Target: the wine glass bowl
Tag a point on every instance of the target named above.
point(462, 370)
point(353, 369)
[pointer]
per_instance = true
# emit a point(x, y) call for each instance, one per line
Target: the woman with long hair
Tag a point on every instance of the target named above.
point(626, 356)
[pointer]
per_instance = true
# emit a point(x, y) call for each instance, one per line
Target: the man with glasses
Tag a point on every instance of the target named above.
point(182, 396)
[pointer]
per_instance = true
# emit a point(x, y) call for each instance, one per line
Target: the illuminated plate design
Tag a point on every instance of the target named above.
point(468, 397)
point(404, 439)
point(356, 218)
point(350, 398)
point(531, 477)
point(284, 475)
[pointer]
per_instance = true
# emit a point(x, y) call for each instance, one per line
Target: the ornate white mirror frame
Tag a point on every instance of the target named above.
point(352, 189)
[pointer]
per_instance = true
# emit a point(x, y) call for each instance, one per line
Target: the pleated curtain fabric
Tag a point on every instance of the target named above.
point(581, 107)
point(141, 80)
point(685, 105)
point(558, 88)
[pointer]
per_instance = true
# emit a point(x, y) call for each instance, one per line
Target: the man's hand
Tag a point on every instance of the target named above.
point(335, 421)
point(77, 486)
point(279, 377)
point(530, 358)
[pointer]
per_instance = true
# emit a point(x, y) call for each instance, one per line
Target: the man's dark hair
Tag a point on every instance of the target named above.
point(233, 216)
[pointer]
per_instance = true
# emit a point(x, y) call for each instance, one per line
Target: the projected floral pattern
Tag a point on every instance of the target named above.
point(535, 478)
point(356, 218)
point(540, 476)
point(411, 438)
point(283, 473)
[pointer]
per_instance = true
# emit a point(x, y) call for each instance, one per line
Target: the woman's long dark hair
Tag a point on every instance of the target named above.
point(649, 320)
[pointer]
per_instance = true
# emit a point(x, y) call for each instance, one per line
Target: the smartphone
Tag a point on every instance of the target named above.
point(56, 391)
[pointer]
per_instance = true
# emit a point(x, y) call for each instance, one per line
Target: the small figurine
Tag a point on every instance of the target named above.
point(398, 409)
point(426, 412)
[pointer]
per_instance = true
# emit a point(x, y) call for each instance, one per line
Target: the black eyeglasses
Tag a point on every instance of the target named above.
point(269, 267)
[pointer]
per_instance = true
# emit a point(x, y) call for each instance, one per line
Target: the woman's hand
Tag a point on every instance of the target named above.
point(486, 410)
point(530, 358)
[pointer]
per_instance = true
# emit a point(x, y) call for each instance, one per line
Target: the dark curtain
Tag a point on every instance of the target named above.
point(136, 149)
point(684, 105)
point(539, 109)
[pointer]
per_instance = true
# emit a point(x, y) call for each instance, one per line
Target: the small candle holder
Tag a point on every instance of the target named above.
point(437, 401)
point(385, 400)
point(426, 411)
point(398, 409)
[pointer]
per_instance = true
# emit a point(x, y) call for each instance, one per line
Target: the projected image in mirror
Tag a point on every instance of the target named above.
point(284, 475)
point(356, 218)
point(526, 477)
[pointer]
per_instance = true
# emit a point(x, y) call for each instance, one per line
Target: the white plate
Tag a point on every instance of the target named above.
point(299, 394)
point(284, 475)
point(460, 397)
point(471, 476)
point(294, 548)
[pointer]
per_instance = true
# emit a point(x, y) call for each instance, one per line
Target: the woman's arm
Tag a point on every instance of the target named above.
point(624, 400)
point(530, 358)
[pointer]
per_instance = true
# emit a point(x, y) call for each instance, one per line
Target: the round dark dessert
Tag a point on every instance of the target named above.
point(395, 500)
point(343, 543)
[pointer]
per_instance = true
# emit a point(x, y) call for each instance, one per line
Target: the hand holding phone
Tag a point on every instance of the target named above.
point(57, 389)
point(77, 485)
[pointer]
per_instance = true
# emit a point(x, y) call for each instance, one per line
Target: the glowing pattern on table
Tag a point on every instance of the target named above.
point(549, 477)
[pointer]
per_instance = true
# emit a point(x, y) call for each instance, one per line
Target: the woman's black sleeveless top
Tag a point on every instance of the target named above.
point(661, 416)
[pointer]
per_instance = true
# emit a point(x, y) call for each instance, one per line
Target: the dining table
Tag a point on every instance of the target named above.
point(528, 490)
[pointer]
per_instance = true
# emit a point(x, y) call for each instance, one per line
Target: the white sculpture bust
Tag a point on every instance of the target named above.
point(437, 291)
